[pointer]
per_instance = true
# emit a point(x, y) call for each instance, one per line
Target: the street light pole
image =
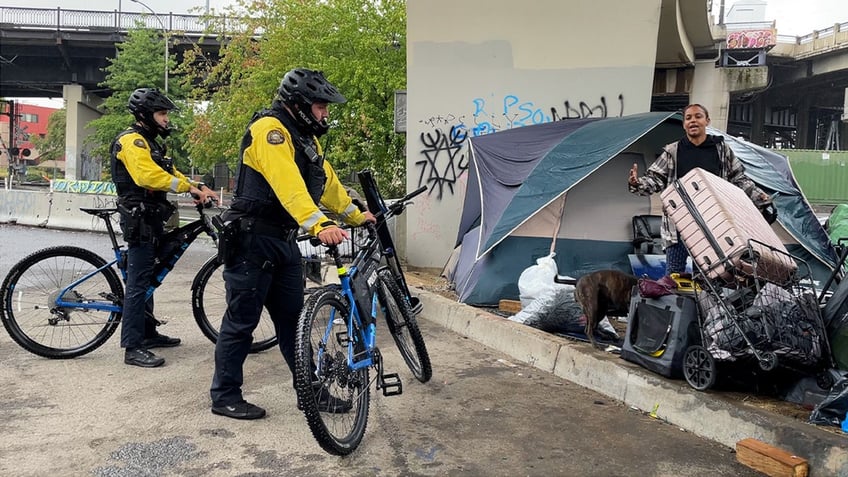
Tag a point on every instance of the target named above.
point(164, 35)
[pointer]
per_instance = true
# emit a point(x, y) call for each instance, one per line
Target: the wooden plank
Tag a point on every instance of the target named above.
point(770, 460)
point(509, 306)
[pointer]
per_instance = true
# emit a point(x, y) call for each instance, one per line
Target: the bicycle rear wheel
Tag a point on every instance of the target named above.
point(404, 327)
point(33, 286)
point(322, 373)
point(209, 302)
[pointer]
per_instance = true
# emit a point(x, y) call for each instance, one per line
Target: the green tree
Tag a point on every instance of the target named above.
point(52, 146)
point(139, 64)
point(361, 47)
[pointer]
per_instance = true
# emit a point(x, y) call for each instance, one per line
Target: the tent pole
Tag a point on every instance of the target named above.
point(558, 224)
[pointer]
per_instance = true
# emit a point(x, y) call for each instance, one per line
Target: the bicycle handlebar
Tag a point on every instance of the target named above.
point(391, 211)
point(204, 205)
point(397, 207)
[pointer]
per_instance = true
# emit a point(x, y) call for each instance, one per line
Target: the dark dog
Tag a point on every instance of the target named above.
point(602, 292)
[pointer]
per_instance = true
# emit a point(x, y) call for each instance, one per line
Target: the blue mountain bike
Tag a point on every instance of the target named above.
point(337, 334)
point(63, 302)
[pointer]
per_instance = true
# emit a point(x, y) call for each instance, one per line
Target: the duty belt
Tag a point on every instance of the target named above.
point(269, 230)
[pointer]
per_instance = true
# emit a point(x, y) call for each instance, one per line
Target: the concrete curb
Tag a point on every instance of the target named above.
point(706, 414)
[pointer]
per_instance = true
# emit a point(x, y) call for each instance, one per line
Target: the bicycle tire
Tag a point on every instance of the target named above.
point(403, 326)
point(209, 299)
point(45, 330)
point(322, 331)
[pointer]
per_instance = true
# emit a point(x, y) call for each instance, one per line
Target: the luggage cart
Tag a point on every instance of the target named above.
point(749, 320)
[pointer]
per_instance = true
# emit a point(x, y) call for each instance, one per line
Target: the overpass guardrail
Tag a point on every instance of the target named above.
point(60, 19)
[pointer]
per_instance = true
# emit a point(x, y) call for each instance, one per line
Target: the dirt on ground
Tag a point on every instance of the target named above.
point(431, 280)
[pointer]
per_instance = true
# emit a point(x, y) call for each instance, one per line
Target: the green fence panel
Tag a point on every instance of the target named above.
point(822, 175)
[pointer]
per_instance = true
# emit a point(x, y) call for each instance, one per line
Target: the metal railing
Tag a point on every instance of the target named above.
point(816, 35)
point(60, 19)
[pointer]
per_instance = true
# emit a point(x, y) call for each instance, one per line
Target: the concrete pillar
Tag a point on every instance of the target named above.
point(758, 112)
point(804, 137)
point(843, 131)
point(80, 109)
point(708, 89)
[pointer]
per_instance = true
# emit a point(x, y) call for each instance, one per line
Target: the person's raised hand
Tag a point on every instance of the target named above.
point(634, 175)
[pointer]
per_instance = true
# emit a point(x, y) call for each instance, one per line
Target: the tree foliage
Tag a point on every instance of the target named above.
point(140, 63)
point(52, 145)
point(361, 47)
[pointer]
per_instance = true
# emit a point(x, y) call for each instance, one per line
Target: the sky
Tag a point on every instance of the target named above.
point(792, 17)
point(798, 17)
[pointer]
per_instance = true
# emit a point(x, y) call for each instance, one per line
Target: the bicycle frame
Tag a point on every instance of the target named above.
point(365, 326)
point(185, 235)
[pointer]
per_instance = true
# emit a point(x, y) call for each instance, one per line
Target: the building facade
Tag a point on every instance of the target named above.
point(16, 147)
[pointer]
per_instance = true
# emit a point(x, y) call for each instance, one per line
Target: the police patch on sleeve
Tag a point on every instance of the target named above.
point(140, 143)
point(276, 137)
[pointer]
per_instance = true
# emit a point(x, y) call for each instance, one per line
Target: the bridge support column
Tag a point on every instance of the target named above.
point(81, 108)
point(758, 113)
point(802, 131)
point(708, 89)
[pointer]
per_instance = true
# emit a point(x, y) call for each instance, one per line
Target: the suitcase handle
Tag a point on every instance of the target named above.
point(696, 216)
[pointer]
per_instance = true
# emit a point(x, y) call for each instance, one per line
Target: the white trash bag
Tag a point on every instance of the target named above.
point(537, 279)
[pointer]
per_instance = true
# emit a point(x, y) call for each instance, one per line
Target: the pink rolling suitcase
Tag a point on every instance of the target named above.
point(715, 220)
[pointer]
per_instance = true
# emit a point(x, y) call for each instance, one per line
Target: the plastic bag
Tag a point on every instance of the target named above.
point(832, 410)
point(535, 280)
point(555, 311)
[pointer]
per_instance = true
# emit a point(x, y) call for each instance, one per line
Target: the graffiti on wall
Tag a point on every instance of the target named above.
point(84, 187)
point(89, 166)
point(512, 113)
point(585, 110)
point(751, 39)
point(443, 147)
point(444, 159)
point(12, 203)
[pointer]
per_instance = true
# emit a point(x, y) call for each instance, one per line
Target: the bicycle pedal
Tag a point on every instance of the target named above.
point(391, 385)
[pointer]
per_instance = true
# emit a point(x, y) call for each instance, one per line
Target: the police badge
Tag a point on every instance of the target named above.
point(275, 137)
point(140, 143)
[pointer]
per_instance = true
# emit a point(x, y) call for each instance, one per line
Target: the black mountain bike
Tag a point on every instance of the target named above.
point(209, 299)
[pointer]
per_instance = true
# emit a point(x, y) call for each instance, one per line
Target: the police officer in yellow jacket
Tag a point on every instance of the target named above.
point(282, 176)
point(143, 175)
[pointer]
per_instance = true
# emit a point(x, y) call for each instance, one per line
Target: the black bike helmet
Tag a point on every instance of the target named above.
point(299, 89)
point(146, 101)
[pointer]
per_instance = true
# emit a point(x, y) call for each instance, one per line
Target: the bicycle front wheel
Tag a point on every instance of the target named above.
point(404, 327)
point(333, 396)
point(209, 302)
point(34, 285)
